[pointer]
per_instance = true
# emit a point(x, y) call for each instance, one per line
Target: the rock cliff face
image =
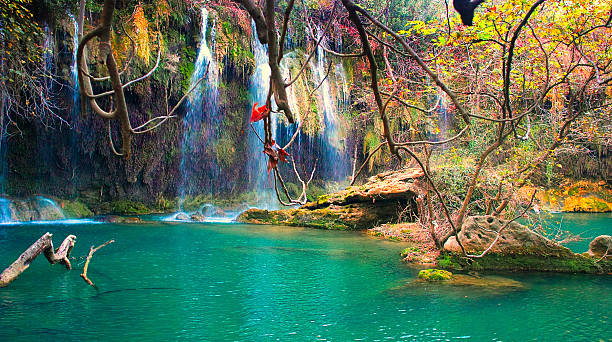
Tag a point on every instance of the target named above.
point(384, 198)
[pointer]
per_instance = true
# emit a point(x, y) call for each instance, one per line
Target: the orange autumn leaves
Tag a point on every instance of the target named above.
point(258, 113)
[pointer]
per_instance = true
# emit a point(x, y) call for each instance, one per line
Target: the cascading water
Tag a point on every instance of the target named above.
point(3, 124)
point(333, 147)
point(73, 67)
point(327, 145)
point(5, 211)
point(49, 210)
point(198, 162)
point(258, 90)
point(36, 209)
point(75, 98)
point(44, 136)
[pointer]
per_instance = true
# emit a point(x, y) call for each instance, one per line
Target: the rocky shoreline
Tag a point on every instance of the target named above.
point(386, 207)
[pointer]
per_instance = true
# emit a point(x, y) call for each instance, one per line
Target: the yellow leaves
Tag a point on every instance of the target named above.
point(141, 29)
point(162, 10)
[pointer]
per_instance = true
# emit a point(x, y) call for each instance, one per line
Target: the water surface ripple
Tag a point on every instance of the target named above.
point(195, 282)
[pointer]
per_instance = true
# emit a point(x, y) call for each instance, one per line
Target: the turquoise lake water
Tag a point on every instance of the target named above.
point(226, 282)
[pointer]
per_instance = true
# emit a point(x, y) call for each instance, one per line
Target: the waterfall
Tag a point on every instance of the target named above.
point(74, 139)
point(73, 67)
point(259, 179)
point(3, 123)
point(334, 156)
point(198, 164)
point(45, 136)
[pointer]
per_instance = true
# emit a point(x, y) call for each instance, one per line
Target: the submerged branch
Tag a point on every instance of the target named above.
point(92, 250)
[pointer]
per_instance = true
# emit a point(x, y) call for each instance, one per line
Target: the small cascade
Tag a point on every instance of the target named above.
point(328, 145)
point(73, 67)
point(48, 210)
point(3, 150)
point(36, 209)
point(5, 211)
point(198, 162)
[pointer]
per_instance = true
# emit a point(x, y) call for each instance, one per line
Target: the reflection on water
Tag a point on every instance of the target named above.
point(172, 281)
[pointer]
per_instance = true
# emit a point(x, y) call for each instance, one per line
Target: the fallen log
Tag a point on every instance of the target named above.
point(42, 245)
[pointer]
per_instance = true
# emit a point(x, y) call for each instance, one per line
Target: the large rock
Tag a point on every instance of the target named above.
point(34, 209)
point(378, 201)
point(393, 185)
point(349, 217)
point(518, 249)
point(600, 246)
point(478, 232)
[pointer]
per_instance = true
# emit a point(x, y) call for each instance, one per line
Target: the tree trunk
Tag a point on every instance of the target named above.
point(42, 245)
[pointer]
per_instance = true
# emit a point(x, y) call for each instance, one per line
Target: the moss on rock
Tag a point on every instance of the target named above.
point(575, 263)
point(433, 274)
point(75, 209)
point(127, 207)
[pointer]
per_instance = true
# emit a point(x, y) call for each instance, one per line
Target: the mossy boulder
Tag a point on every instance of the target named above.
point(378, 201)
point(433, 274)
point(600, 246)
point(517, 249)
point(34, 209)
point(574, 263)
point(127, 207)
point(478, 232)
point(355, 216)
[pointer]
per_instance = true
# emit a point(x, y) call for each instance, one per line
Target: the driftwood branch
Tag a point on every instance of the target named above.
point(42, 245)
point(92, 250)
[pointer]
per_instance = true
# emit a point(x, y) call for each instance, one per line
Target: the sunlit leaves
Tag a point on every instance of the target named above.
point(141, 29)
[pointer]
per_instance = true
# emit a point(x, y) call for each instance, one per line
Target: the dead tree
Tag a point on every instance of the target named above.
point(106, 58)
point(42, 245)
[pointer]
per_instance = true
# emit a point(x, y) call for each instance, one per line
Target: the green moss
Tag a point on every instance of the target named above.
point(520, 262)
point(322, 199)
point(410, 250)
point(127, 207)
point(445, 261)
point(76, 209)
point(435, 275)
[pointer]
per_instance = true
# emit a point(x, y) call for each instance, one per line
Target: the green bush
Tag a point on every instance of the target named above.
point(127, 207)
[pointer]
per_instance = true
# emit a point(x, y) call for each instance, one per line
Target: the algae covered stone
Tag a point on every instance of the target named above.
point(433, 274)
